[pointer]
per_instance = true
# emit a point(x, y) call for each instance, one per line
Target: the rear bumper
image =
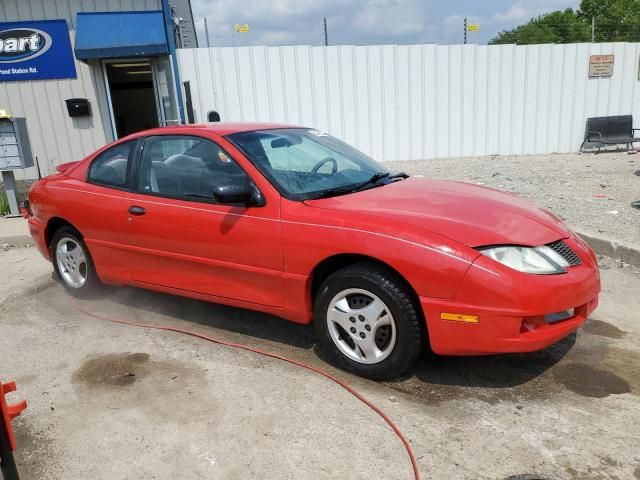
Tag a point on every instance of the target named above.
point(510, 307)
point(37, 230)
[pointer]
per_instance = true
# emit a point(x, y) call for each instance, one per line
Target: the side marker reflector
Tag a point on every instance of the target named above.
point(459, 317)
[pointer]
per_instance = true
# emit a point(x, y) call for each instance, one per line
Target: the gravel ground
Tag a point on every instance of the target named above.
point(583, 189)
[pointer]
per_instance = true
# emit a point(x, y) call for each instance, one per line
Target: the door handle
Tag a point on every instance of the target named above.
point(135, 210)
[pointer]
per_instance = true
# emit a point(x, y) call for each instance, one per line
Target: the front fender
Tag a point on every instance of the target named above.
point(431, 263)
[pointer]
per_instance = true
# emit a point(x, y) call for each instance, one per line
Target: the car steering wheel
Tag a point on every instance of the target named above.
point(318, 166)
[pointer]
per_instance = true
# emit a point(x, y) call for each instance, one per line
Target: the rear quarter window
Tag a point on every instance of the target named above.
point(110, 167)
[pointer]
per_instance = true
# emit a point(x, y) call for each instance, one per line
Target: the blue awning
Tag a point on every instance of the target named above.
point(120, 34)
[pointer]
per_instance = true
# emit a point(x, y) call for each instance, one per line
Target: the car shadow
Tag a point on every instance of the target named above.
point(236, 320)
point(491, 371)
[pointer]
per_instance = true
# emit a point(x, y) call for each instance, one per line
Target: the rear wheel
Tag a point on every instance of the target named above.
point(72, 262)
point(368, 321)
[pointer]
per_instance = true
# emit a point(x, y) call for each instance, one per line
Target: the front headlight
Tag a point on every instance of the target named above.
point(538, 260)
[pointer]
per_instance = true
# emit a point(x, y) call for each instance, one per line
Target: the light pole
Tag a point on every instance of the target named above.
point(326, 38)
point(465, 30)
point(206, 31)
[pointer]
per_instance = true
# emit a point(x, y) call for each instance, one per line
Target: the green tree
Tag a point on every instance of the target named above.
point(615, 21)
point(561, 26)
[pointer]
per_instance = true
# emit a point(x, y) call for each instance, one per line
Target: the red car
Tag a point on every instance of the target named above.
point(293, 222)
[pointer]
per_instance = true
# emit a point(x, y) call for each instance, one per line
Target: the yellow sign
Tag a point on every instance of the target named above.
point(241, 27)
point(473, 27)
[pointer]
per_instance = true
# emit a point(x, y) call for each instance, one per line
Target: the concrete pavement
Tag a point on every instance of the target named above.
point(14, 232)
point(113, 402)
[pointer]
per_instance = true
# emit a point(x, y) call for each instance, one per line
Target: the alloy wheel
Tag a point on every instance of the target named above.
point(72, 262)
point(361, 325)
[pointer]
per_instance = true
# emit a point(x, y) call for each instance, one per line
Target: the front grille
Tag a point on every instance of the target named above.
point(566, 252)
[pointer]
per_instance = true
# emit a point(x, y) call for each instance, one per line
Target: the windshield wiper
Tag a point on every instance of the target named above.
point(379, 176)
point(375, 179)
point(358, 186)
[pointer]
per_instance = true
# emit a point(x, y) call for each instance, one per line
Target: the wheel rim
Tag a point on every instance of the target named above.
point(361, 325)
point(72, 262)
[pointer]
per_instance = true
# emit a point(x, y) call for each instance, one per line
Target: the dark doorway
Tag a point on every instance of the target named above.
point(133, 100)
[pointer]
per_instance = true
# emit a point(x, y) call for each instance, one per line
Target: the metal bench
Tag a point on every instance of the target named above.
point(616, 130)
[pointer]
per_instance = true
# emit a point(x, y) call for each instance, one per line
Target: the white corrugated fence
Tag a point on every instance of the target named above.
point(420, 101)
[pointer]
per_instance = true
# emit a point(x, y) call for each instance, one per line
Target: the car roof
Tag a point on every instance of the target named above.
point(220, 128)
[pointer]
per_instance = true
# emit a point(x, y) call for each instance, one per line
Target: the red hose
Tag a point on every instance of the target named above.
point(347, 387)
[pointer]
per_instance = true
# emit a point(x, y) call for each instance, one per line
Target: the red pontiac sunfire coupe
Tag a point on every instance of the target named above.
point(294, 222)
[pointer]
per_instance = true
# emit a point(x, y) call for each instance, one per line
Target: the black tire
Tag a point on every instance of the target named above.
point(91, 281)
point(390, 288)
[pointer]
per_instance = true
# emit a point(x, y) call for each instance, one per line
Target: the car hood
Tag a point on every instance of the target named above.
point(467, 213)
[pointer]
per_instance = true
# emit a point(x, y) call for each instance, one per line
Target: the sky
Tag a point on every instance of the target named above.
point(362, 22)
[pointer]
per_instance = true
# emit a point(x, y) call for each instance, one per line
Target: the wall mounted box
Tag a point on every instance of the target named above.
point(78, 107)
point(15, 149)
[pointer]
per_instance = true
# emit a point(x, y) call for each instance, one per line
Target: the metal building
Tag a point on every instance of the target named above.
point(86, 73)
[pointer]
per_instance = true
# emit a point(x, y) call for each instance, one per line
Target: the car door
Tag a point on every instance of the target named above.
point(181, 238)
point(95, 208)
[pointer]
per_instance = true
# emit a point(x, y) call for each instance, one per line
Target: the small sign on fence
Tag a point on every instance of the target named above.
point(600, 65)
point(241, 27)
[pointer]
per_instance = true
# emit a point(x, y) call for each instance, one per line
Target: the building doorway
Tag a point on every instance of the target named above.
point(141, 95)
point(133, 101)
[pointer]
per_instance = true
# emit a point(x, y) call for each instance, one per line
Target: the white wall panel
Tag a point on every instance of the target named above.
point(420, 101)
point(55, 137)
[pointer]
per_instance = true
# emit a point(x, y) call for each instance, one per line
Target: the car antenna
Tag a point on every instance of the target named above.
point(38, 167)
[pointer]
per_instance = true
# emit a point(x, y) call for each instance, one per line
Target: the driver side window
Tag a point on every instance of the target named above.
point(186, 167)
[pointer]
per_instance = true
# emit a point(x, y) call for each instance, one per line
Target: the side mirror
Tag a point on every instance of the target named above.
point(246, 193)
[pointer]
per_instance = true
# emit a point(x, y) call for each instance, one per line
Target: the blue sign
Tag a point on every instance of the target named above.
point(35, 51)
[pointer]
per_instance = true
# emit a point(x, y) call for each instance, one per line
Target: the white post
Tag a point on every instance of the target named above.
point(206, 31)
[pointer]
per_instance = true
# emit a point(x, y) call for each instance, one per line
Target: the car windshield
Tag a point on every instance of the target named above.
point(304, 163)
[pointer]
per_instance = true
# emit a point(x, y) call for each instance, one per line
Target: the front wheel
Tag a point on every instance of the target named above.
point(368, 321)
point(72, 262)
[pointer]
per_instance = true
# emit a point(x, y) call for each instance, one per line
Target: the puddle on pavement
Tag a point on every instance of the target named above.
point(124, 381)
point(588, 381)
point(114, 370)
point(626, 364)
point(603, 329)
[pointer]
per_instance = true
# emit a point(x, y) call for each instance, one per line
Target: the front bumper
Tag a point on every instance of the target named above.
point(510, 307)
